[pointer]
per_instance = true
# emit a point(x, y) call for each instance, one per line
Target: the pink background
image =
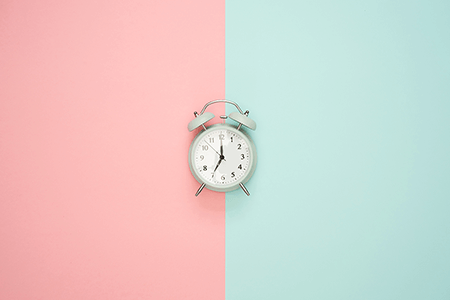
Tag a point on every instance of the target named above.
point(96, 197)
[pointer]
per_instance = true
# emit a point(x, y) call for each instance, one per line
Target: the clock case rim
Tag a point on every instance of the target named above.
point(252, 165)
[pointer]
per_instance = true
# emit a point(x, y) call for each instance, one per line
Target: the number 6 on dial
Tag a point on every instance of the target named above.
point(222, 157)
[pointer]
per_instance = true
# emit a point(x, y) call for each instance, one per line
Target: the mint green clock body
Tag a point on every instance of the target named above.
point(222, 157)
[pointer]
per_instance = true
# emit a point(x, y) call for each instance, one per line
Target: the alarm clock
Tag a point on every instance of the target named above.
point(222, 157)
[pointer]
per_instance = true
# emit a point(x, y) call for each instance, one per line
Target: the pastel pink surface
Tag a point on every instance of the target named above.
point(96, 197)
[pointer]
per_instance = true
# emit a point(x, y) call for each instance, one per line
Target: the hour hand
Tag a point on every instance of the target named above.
point(220, 160)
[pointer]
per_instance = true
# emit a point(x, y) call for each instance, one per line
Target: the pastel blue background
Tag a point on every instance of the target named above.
point(351, 195)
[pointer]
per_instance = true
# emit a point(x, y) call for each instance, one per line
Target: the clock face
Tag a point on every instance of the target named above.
point(222, 156)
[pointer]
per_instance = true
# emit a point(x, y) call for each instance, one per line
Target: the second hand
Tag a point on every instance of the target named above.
point(214, 150)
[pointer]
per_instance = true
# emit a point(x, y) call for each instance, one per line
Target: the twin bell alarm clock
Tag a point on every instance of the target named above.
point(222, 157)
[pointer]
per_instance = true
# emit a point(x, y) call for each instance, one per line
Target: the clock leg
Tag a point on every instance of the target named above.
point(200, 189)
point(244, 189)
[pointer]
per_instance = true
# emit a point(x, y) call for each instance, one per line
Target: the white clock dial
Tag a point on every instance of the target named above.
point(222, 157)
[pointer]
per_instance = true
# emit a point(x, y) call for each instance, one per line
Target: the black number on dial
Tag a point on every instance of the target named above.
point(205, 147)
point(232, 174)
point(240, 167)
point(205, 168)
point(239, 146)
point(242, 156)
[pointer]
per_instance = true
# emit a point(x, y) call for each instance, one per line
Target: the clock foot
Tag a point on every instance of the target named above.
point(244, 189)
point(200, 189)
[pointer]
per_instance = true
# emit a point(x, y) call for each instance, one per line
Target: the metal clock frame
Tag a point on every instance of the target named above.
point(242, 119)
